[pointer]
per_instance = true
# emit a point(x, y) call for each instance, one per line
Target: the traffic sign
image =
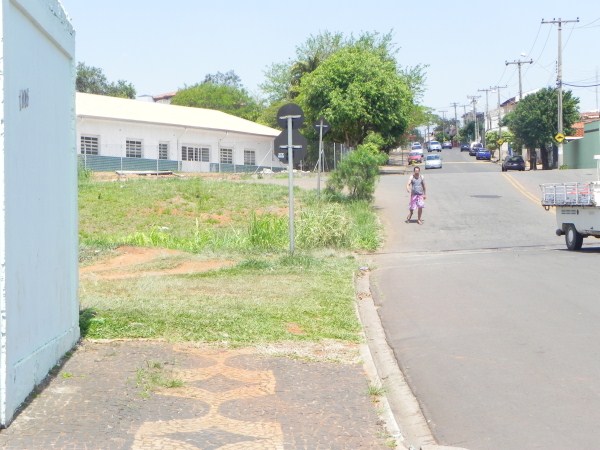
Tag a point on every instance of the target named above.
point(326, 125)
point(559, 137)
point(500, 141)
point(299, 145)
point(290, 110)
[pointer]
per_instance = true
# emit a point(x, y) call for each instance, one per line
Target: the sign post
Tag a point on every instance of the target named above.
point(322, 127)
point(290, 116)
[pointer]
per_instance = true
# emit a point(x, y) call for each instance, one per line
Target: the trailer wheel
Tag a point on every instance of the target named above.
point(573, 238)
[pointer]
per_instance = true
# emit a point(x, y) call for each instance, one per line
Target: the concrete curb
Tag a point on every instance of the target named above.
point(401, 410)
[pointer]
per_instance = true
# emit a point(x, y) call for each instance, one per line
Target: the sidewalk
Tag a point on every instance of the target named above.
point(103, 397)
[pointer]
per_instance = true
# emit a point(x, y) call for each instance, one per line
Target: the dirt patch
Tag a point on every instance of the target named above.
point(130, 262)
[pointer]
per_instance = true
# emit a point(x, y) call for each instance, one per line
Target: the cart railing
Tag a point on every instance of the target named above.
point(570, 194)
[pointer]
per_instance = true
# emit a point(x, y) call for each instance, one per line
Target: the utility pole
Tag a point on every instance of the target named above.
point(497, 89)
point(473, 99)
point(443, 124)
point(519, 63)
point(488, 125)
point(454, 104)
point(559, 82)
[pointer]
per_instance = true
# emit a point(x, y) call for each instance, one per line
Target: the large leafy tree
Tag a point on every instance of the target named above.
point(92, 80)
point(534, 121)
point(282, 80)
point(223, 92)
point(358, 89)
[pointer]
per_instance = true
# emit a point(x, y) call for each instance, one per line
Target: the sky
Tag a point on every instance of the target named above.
point(160, 47)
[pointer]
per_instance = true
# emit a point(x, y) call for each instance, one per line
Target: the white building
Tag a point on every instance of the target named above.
point(39, 311)
point(122, 134)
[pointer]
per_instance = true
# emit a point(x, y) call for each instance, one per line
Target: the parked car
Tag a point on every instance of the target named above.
point(475, 146)
point(434, 146)
point(483, 153)
point(433, 162)
point(415, 157)
point(416, 146)
point(446, 144)
point(465, 147)
point(514, 162)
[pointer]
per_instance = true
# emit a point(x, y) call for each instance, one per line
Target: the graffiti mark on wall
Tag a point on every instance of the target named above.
point(23, 99)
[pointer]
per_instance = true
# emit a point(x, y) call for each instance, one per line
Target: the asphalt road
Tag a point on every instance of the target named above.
point(493, 322)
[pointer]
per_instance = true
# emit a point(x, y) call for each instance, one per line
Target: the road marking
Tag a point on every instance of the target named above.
point(519, 187)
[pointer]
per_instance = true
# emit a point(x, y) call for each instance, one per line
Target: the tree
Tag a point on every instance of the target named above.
point(358, 90)
point(92, 80)
point(222, 97)
point(225, 79)
point(534, 121)
point(283, 79)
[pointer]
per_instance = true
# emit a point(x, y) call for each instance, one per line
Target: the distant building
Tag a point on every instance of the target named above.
point(123, 134)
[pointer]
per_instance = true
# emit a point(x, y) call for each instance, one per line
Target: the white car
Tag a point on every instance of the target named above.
point(434, 146)
point(433, 162)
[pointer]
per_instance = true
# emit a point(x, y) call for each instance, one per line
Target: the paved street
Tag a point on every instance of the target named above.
point(493, 321)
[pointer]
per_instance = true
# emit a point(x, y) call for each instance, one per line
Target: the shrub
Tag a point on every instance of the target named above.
point(358, 172)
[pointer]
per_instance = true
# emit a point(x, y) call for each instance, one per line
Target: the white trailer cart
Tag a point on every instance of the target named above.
point(577, 208)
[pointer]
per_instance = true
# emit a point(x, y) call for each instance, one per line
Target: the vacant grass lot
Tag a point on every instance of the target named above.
point(265, 295)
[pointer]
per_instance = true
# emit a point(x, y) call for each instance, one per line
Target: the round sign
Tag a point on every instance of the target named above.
point(293, 110)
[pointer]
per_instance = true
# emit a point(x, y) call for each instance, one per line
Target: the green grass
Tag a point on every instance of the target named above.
point(252, 302)
point(267, 296)
point(200, 215)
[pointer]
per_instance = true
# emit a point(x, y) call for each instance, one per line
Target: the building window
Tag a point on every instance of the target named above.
point(89, 145)
point(249, 158)
point(163, 150)
point(189, 153)
point(133, 149)
point(226, 156)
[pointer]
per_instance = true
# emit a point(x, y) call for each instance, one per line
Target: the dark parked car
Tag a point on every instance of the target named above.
point(514, 162)
point(465, 147)
point(483, 153)
point(474, 148)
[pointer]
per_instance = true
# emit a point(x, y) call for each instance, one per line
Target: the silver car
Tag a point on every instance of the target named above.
point(434, 146)
point(433, 162)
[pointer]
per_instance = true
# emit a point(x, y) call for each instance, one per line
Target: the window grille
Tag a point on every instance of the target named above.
point(226, 156)
point(89, 145)
point(249, 158)
point(133, 149)
point(163, 150)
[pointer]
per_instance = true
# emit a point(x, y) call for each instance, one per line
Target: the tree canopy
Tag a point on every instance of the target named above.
point(92, 80)
point(358, 89)
point(223, 92)
point(534, 121)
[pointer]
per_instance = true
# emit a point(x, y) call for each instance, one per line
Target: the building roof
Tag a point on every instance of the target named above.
point(113, 108)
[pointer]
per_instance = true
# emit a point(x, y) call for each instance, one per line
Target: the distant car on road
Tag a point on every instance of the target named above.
point(514, 162)
point(416, 146)
point(433, 162)
point(415, 157)
point(483, 153)
point(465, 147)
point(446, 144)
point(475, 146)
point(434, 146)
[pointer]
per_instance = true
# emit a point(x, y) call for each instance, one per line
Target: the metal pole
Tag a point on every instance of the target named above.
point(319, 159)
point(559, 83)
point(291, 183)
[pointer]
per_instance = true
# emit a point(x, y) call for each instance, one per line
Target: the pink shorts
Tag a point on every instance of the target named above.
point(416, 201)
